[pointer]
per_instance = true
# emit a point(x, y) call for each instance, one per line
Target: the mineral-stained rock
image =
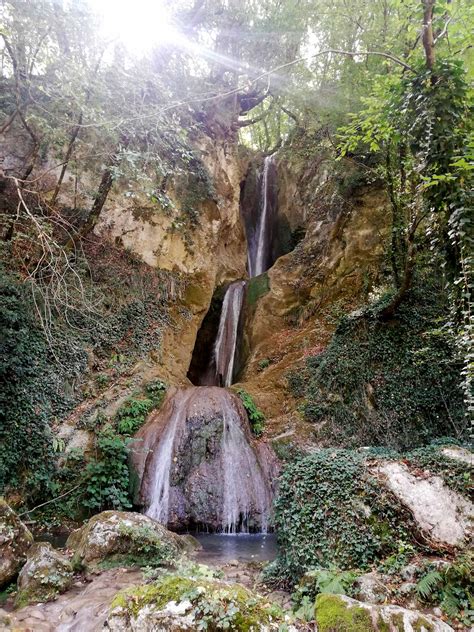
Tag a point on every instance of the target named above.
point(127, 538)
point(46, 574)
point(442, 514)
point(15, 540)
point(337, 612)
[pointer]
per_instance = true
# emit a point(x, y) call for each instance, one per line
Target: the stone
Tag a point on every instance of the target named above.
point(176, 603)
point(459, 454)
point(371, 588)
point(15, 540)
point(46, 574)
point(443, 515)
point(338, 612)
point(125, 538)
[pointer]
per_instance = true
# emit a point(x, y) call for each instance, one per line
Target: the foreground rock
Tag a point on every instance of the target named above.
point(177, 604)
point(46, 574)
point(127, 539)
point(15, 540)
point(442, 514)
point(337, 612)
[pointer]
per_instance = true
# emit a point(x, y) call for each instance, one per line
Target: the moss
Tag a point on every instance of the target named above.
point(256, 288)
point(333, 614)
point(422, 625)
point(382, 625)
point(397, 622)
point(210, 601)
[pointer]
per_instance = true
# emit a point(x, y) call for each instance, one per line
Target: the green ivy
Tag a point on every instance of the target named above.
point(391, 383)
point(330, 512)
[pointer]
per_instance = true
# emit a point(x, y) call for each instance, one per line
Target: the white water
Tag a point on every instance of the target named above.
point(160, 497)
point(238, 480)
point(226, 342)
point(259, 265)
point(245, 489)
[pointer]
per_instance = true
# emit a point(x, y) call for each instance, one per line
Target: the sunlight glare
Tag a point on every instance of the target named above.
point(140, 25)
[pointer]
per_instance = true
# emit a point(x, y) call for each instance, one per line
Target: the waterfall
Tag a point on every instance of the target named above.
point(226, 342)
point(198, 465)
point(259, 248)
point(159, 505)
point(244, 485)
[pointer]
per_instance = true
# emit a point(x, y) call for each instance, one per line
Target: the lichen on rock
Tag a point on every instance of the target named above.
point(15, 540)
point(46, 574)
point(124, 538)
point(184, 603)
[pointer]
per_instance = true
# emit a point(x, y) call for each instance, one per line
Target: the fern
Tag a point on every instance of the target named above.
point(428, 583)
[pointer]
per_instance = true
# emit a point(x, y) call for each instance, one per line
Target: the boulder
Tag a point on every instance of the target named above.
point(124, 538)
point(442, 515)
point(176, 603)
point(338, 612)
point(46, 574)
point(15, 540)
point(371, 587)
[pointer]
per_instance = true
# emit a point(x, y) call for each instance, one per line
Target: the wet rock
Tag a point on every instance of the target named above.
point(442, 514)
point(46, 574)
point(199, 452)
point(177, 603)
point(15, 540)
point(337, 612)
point(371, 587)
point(126, 538)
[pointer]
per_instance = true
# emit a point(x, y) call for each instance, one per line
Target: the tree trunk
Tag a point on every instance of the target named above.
point(428, 39)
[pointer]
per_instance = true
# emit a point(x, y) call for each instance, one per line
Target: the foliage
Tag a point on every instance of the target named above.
point(450, 587)
point(131, 415)
point(323, 580)
point(329, 511)
point(107, 476)
point(421, 124)
point(256, 417)
point(34, 390)
point(391, 383)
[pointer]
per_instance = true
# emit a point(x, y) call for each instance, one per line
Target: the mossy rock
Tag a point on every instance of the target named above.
point(46, 574)
point(185, 603)
point(120, 538)
point(338, 613)
point(15, 540)
point(333, 614)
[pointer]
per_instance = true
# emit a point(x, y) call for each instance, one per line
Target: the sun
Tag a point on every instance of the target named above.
point(140, 25)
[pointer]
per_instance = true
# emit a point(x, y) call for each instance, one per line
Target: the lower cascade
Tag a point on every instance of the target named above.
point(198, 466)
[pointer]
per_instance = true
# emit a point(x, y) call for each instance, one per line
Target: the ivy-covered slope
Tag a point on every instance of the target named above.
point(45, 372)
point(386, 382)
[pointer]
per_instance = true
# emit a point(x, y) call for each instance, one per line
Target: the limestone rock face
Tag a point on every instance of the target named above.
point(442, 514)
point(15, 540)
point(121, 535)
point(338, 612)
point(46, 574)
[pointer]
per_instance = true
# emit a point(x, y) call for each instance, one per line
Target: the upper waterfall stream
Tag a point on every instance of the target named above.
point(197, 462)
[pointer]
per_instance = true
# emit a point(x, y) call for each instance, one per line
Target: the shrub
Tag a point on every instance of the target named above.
point(256, 417)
